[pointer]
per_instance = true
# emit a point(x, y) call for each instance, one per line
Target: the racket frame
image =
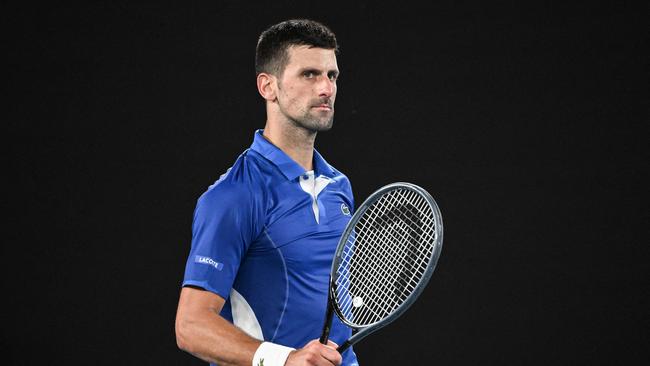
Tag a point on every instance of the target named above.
point(360, 332)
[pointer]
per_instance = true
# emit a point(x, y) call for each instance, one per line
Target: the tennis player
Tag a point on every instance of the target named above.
point(264, 234)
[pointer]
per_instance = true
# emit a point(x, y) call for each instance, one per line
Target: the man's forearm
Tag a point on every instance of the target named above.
point(212, 338)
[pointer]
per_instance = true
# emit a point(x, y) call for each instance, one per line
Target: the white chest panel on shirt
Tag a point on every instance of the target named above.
point(313, 186)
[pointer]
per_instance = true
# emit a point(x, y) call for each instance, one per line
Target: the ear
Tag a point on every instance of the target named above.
point(266, 86)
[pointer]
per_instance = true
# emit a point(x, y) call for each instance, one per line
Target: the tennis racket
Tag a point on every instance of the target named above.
point(384, 259)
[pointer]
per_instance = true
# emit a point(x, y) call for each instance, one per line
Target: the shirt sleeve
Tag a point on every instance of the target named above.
point(226, 222)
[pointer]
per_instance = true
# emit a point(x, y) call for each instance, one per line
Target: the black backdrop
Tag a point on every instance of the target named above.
point(528, 124)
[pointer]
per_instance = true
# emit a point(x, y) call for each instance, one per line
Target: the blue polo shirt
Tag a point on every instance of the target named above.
point(264, 237)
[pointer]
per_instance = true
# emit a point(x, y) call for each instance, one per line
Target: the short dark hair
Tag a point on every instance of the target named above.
point(271, 54)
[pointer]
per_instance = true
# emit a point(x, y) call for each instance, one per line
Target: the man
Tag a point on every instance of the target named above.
point(264, 235)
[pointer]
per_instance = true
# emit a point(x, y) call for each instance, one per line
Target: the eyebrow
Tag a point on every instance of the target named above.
point(318, 71)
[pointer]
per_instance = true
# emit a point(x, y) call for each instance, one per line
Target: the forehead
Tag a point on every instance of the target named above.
point(301, 57)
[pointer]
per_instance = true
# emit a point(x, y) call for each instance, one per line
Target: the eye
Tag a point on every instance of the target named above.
point(309, 74)
point(333, 76)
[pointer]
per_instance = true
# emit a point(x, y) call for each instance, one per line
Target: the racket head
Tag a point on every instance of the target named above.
point(367, 241)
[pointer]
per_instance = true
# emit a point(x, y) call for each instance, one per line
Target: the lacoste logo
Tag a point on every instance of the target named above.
point(345, 209)
point(261, 363)
point(209, 261)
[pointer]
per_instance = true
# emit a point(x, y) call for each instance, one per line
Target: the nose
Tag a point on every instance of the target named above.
point(326, 87)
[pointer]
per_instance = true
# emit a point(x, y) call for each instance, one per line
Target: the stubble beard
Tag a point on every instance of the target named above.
point(313, 123)
point(308, 119)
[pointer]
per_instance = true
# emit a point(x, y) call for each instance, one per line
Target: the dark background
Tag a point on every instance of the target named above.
point(527, 123)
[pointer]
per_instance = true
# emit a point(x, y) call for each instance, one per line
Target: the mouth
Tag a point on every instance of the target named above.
point(323, 107)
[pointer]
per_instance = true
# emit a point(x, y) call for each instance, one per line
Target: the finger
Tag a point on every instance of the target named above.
point(332, 344)
point(331, 355)
point(313, 341)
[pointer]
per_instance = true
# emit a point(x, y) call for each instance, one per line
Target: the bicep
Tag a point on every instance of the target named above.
point(196, 301)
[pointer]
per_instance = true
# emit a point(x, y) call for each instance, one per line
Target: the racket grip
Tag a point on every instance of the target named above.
point(328, 324)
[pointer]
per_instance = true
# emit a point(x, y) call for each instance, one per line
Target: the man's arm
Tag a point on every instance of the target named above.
point(201, 331)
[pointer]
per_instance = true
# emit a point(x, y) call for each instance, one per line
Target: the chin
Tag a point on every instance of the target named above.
point(316, 125)
point(325, 126)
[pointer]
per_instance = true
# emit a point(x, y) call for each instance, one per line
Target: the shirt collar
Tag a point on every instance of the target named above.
point(289, 168)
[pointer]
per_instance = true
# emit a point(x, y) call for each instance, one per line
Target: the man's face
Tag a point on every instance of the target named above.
point(307, 88)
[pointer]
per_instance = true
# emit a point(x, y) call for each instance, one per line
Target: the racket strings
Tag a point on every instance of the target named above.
point(374, 238)
point(402, 272)
point(399, 273)
point(385, 256)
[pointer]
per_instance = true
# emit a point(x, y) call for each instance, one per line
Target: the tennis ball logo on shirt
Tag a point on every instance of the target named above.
point(345, 209)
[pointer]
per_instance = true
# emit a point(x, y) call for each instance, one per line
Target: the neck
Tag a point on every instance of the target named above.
point(294, 141)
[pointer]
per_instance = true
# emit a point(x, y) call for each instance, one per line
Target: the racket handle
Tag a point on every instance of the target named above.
point(328, 324)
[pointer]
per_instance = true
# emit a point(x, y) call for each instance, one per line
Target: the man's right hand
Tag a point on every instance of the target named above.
point(315, 354)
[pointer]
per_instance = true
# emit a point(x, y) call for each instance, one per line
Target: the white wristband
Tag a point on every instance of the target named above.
point(271, 354)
